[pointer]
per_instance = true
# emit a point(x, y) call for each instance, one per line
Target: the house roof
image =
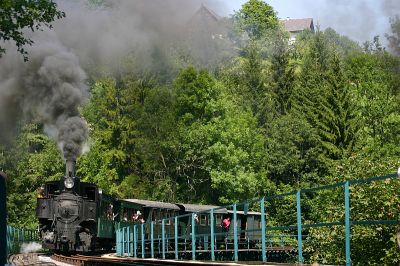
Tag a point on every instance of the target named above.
point(295, 25)
point(154, 204)
point(203, 10)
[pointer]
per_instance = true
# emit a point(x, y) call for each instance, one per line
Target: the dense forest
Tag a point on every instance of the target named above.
point(263, 116)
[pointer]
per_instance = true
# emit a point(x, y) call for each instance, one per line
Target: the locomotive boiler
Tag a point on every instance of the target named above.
point(67, 212)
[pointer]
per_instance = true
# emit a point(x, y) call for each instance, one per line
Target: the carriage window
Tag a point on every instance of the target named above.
point(256, 223)
point(218, 219)
point(167, 215)
point(173, 215)
point(154, 217)
point(203, 219)
point(160, 216)
point(164, 214)
point(107, 210)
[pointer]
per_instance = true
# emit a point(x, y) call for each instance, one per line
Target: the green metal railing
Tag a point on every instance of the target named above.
point(16, 237)
point(131, 240)
point(3, 220)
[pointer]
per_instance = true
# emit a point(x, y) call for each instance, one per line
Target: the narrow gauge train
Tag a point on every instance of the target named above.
point(77, 216)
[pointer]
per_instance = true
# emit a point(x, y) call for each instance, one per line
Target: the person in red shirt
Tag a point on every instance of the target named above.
point(226, 223)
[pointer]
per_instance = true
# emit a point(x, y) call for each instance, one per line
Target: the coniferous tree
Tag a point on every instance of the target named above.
point(339, 125)
point(282, 78)
point(324, 100)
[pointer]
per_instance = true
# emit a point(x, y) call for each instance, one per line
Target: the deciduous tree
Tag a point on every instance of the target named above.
point(256, 18)
point(16, 16)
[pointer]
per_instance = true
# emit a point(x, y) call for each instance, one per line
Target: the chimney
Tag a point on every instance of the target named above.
point(70, 168)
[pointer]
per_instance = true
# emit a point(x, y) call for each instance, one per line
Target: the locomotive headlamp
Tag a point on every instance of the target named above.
point(69, 182)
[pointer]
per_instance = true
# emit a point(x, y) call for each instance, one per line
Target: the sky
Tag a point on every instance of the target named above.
point(360, 20)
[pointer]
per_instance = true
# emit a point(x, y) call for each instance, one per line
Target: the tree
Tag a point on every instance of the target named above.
point(282, 73)
point(324, 99)
point(375, 78)
point(112, 135)
point(373, 46)
point(343, 44)
point(132, 139)
point(394, 38)
point(370, 245)
point(220, 149)
point(293, 151)
point(33, 160)
point(16, 16)
point(255, 18)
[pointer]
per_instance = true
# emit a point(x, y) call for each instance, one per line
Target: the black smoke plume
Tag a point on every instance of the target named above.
point(48, 89)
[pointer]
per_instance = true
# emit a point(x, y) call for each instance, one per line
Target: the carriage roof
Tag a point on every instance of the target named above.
point(153, 204)
point(201, 208)
point(245, 213)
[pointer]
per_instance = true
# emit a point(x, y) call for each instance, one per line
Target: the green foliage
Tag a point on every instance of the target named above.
point(325, 100)
point(220, 145)
point(113, 131)
point(282, 73)
point(256, 18)
point(33, 161)
point(343, 44)
point(292, 149)
point(373, 47)
point(196, 95)
point(374, 78)
point(246, 78)
point(370, 245)
point(16, 16)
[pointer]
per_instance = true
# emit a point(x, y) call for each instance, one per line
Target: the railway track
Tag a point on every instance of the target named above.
point(31, 259)
point(81, 260)
point(107, 260)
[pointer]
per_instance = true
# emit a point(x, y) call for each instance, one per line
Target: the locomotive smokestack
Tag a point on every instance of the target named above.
point(70, 168)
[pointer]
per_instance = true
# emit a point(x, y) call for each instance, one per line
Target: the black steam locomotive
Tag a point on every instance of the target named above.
point(67, 211)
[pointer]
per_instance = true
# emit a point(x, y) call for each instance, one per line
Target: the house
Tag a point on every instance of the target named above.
point(295, 26)
point(206, 23)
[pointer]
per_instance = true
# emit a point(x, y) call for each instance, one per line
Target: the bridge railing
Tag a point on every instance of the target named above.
point(168, 237)
point(17, 236)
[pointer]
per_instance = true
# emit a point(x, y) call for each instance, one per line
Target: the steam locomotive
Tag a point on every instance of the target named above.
point(77, 216)
point(67, 211)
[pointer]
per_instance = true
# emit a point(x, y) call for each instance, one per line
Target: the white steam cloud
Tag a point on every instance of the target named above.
point(30, 247)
